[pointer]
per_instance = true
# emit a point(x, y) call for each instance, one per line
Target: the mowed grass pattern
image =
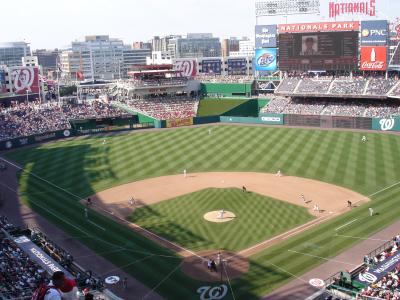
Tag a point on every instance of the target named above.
point(84, 166)
point(258, 218)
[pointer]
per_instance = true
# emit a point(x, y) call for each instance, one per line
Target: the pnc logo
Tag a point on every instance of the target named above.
point(367, 277)
point(387, 124)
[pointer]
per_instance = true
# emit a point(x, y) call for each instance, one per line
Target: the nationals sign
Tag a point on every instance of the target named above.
point(186, 67)
point(338, 8)
point(373, 58)
point(24, 79)
point(322, 26)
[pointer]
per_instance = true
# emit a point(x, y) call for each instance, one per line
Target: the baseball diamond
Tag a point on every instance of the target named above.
point(78, 168)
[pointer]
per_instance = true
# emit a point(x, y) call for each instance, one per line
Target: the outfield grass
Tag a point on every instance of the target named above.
point(258, 218)
point(85, 166)
point(216, 107)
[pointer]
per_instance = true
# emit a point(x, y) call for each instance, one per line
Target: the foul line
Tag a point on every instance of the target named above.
point(351, 222)
point(229, 282)
point(384, 189)
point(362, 238)
point(320, 257)
point(98, 226)
point(161, 282)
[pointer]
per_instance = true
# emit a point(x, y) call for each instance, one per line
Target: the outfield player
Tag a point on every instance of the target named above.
point(371, 211)
point(364, 139)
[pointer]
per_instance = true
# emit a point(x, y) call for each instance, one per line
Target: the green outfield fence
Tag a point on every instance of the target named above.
point(228, 89)
point(243, 114)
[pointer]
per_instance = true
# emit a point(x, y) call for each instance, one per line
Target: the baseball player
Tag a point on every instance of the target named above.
point(371, 211)
point(303, 198)
point(86, 214)
point(184, 173)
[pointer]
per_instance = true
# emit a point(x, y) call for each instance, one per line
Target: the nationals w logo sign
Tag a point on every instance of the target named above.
point(25, 79)
point(212, 293)
point(387, 124)
point(187, 68)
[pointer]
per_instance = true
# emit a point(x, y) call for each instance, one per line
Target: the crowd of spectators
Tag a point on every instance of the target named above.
point(348, 86)
point(24, 119)
point(380, 86)
point(333, 107)
point(314, 86)
point(20, 276)
point(341, 86)
point(288, 85)
point(388, 287)
point(166, 108)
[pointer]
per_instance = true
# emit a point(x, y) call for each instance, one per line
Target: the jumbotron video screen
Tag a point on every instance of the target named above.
point(320, 50)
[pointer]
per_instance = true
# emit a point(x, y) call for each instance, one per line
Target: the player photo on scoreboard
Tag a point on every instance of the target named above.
point(309, 45)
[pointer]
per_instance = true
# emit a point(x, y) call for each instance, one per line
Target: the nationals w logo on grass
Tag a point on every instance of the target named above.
point(387, 124)
point(212, 293)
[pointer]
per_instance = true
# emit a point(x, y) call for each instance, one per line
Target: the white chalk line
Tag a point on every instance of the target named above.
point(79, 229)
point(323, 258)
point(161, 282)
point(347, 224)
point(362, 238)
point(98, 226)
point(229, 282)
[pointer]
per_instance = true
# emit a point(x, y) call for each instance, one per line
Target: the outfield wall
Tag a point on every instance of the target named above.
point(227, 89)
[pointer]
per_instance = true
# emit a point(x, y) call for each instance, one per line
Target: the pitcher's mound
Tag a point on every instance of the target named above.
point(215, 216)
point(234, 266)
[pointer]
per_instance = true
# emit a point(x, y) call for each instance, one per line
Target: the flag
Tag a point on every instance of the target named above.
point(80, 76)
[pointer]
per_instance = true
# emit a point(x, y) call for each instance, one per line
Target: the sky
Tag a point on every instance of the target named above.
point(55, 23)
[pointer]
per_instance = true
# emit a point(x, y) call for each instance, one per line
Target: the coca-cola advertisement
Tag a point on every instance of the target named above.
point(25, 79)
point(373, 58)
point(186, 67)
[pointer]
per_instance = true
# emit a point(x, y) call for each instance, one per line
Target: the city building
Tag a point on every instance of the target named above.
point(102, 56)
point(195, 45)
point(228, 45)
point(30, 61)
point(246, 49)
point(141, 45)
point(71, 63)
point(161, 43)
point(159, 58)
point(11, 54)
point(132, 57)
point(47, 59)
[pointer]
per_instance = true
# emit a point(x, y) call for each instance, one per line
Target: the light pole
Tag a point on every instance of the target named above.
point(27, 96)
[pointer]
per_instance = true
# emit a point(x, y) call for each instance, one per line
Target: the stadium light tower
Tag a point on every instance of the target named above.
point(286, 7)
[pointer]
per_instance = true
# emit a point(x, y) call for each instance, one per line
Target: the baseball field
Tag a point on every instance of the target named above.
point(57, 176)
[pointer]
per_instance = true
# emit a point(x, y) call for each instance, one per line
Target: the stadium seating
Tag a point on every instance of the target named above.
point(165, 108)
point(314, 86)
point(35, 118)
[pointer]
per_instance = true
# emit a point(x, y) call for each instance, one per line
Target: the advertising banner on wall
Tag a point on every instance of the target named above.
point(39, 256)
point(373, 58)
point(388, 124)
point(3, 87)
point(211, 66)
point(265, 36)
point(237, 66)
point(319, 26)
point(265, 60)
point(374, 33)
point(24, 79)
point(179, 122)
point(186, 67)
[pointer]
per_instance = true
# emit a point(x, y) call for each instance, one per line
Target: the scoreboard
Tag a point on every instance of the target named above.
point(318, 51)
